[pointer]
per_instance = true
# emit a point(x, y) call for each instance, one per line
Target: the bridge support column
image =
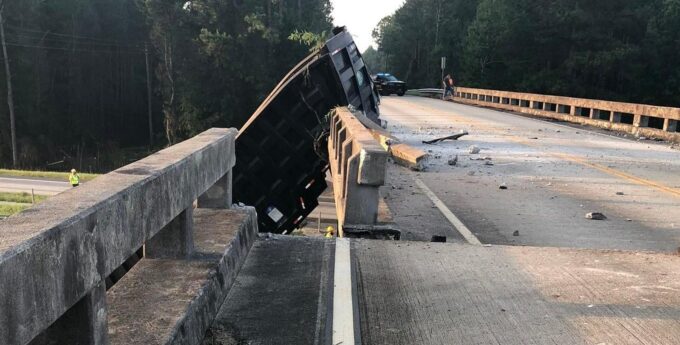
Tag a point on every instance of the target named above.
point(219, 195)
point(175, 240)
point(84, 324)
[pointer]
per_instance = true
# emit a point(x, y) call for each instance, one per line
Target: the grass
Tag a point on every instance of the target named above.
point(51, 175)
point(7, 210)
point(24, 198)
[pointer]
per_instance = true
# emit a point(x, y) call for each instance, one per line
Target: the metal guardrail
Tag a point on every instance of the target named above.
point(638, 119)
point(56, 256)
point(358, 165)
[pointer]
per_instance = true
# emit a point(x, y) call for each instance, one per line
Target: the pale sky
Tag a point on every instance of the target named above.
point(361, 16)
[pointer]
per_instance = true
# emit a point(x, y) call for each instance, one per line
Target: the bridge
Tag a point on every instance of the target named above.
point(552, 220)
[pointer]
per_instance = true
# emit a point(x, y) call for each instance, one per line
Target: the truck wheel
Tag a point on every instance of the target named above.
point(401, 93)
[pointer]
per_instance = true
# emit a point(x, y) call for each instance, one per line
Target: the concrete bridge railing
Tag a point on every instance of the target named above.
point(638, 119)
point(358, 165)
point(56, 256)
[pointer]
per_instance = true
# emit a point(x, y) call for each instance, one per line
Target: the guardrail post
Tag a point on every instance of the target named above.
point(83, 324)
point(175, 240)
point(219, 196)
point(670, 125)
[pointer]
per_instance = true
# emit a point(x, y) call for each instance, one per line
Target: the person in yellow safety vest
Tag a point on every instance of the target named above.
point(74, 178)
point(329, 231)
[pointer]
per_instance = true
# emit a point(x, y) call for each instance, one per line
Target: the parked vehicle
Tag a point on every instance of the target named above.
point(387, 84)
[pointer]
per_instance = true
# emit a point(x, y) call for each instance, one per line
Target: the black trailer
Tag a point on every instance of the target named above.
point(281, 151)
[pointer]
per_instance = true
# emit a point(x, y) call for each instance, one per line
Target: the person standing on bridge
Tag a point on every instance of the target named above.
point(74, 178)
point(448, 86)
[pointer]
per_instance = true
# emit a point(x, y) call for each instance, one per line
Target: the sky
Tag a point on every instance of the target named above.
point(361, 17)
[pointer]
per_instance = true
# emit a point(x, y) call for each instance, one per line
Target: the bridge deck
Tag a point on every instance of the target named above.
point(429, 293)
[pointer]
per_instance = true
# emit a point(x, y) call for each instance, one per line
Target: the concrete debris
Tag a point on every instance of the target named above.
point(503, 186)
point(516, 233)
point(619, 193)
point(471, 173)
point(595, 216)
point(473, 150)
point(450, 137)
point(489, 163)
point(533, 138)
point(485, 158)
point(454, 161)
point(438, 239)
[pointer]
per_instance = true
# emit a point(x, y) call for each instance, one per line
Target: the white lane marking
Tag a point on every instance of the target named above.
point(462, 229)
point(343, 312)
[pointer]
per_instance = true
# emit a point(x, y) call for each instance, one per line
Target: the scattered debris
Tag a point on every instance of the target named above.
point(438, 239)
point(516, 233)
point(485, 158)
point(642, 138)
point(453, 161)
point(503, 186)
point(489, 163)
point(473, 150)
point(437, 156)
point(533, 138)
point(596, 216)
point(549, 184)
point(450, 137)
point(471, 173)
point(619, 193)
point(628, 220)
point(558, 131)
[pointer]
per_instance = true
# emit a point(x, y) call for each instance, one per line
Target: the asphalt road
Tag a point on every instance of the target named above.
point(42, 187)
point(555, 174)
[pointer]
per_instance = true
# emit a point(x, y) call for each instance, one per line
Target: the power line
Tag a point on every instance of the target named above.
point(65, 35)
point(74, 49)
point(20, 36)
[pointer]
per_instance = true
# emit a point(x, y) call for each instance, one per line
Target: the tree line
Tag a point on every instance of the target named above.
point(626, 50)
point(79, 72)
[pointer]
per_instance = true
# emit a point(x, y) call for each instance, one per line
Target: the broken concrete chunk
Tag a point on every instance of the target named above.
point(453, 161)
point(619, 193)
point(503, 186)
point(488, 163)
point(595, 216)
point(516, 233)
point(473, 150)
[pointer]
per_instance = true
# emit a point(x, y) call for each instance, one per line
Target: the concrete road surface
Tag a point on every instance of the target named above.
point(555, 175)
point(42, 187)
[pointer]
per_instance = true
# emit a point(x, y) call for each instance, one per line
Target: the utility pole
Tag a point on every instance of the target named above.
point(10, 97)
point(148, 94)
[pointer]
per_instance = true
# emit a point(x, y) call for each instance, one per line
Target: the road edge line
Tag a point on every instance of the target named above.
point(343, 303)
point(457, 223)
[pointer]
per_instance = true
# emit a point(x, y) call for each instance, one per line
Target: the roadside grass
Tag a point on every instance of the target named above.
point(50, 175)
point(23, 198)
point(7, 210)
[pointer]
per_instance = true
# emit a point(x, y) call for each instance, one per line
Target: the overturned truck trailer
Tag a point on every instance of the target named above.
point(281, 151)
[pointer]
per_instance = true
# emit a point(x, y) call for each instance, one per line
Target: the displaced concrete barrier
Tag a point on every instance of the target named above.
point(358, 164)
point(55, 257)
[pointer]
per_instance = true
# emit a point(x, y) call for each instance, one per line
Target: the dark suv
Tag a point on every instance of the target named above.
point(387, 84)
